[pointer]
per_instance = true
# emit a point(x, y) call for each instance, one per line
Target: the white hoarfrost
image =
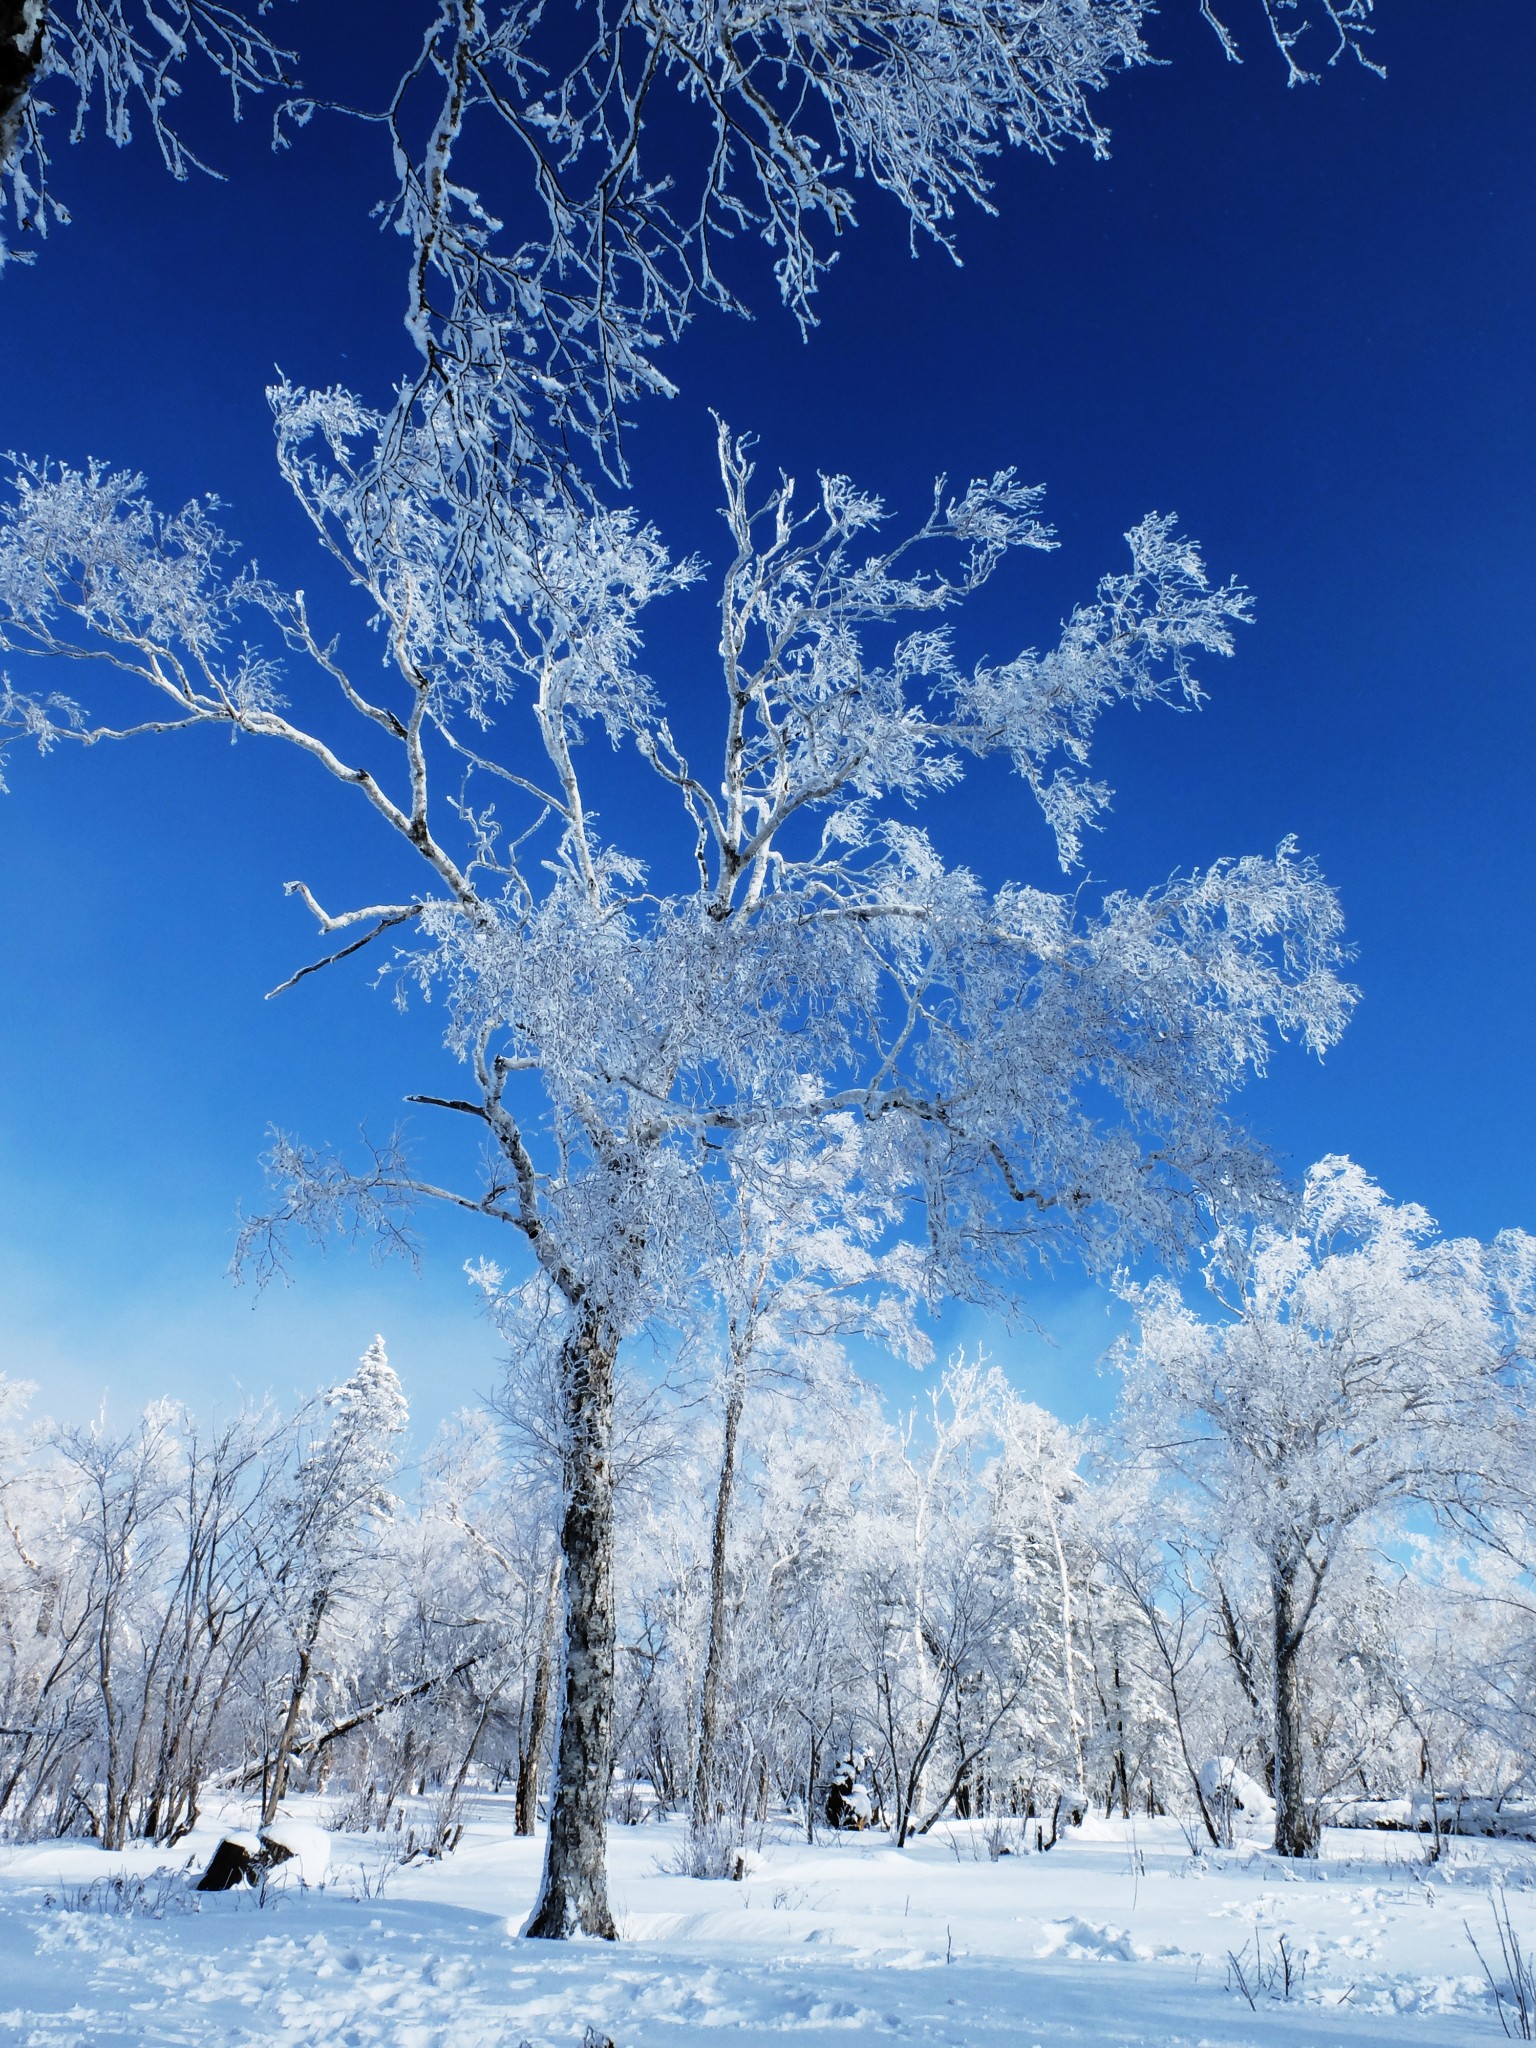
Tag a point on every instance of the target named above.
point(793, 982)
point(116, 62)
point(1362, 1365)
point(787, 981)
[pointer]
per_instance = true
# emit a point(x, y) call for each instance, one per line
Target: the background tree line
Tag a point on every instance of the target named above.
point(1301, 1579)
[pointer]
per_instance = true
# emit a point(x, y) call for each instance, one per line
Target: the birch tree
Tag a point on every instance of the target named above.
point(323, 1536)
point(1033, 1072)
point(1357, 1357)
point(800, 1265)
point(623, 1040)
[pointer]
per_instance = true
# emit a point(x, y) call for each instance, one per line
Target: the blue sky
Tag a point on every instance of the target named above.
point(1300, 319)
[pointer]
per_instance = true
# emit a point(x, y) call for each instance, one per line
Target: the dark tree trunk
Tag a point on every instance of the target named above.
point(450, 1827)
point(1121, 1772)
point(1297, 1830)
point(22, 25)
point(530, 1755)
point(573, 1897)
point(277, 1783)
point(1237, 1650)
point(706, 1800)
point(119, 1785)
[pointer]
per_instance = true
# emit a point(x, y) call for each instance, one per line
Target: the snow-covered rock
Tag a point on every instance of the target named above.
point(236, 1860)
point(306, 1851)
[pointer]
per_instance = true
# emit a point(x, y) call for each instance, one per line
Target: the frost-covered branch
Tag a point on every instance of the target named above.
point(881, 981)
point(582, 252)
point(116, 61)
point(1290, 22)
point(543, 284)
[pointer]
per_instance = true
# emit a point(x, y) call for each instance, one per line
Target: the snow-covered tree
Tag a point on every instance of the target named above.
point(211, 1610)
point(1151, 1566)
point(45, 1617)
point(125, 1485)
point(324, 1537)
point(990, 1625)
point(1029, 1071)
point(1357, 1362)
point(799, 1265)
point(930, 1587)
point(508, 1569)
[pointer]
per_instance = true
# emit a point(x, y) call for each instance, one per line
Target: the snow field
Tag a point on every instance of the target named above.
point(1116, 1937)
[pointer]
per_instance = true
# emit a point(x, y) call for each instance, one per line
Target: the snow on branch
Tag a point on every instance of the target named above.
point(1289, 22)
point(826, 958)
point(121, 60)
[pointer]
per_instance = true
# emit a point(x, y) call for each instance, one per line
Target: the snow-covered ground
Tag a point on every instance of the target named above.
point(1117, 1936)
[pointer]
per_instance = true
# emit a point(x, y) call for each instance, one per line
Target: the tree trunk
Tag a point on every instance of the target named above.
point(450, 1827)
point(538, 1712)
point(1122, 1767)
point(277, 1783)
point(1068, 1645)
point(705, 1793)
point(115, 1802)
point(1297, 1831)
point(573, 1896)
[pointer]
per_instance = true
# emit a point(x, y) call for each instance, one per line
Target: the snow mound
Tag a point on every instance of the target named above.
point(1090, 1939)
point(1223, 1782)
point(1393, 1995)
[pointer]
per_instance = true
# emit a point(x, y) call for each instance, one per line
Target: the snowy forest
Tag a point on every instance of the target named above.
point(1293, 1577)
point(771, 996)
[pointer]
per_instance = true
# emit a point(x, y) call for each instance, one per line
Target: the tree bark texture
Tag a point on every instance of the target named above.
point(1297, 1831)
point(706, 1799)
point(573, 1897)
point(538, 1712)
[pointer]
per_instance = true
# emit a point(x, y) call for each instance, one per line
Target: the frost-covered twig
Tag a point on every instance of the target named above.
point(117, 60)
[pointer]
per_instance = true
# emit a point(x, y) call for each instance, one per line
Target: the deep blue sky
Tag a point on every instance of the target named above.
point(1301, 319)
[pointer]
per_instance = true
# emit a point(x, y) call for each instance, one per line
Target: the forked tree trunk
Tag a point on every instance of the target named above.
point(706, 1799)
point(573, 1897)
point(1297, 1831)
point(538, 1712)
